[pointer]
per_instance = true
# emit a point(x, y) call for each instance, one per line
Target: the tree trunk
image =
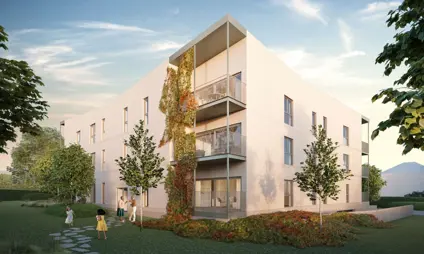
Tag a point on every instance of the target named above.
point(320, 214)
point(141, 207)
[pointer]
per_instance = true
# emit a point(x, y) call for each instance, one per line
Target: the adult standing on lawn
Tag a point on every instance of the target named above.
point(120, 212)
point(133, 209)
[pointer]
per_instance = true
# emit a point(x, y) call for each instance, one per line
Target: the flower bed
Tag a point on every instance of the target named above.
point(297, 228)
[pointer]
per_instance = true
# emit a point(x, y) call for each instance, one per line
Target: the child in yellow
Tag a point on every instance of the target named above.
point(101, 223)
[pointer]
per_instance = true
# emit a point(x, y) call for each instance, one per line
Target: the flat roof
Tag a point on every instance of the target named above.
point(212, 41)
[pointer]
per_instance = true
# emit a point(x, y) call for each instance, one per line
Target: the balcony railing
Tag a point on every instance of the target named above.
point(217, 89)
point(215, 143)
point(218, 199)
point(365, 148)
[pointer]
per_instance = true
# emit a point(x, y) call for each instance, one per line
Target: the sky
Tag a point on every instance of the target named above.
point(88, 52)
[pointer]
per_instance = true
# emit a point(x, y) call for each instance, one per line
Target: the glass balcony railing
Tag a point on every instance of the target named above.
point(217, 89)
point(215, 143)
point(218, 199)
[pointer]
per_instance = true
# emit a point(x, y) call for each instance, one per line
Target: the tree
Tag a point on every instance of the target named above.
point(141, 169)
point(31, 148)
point(70, 170)
point(5, 181)
point(375, 182)
point(320, 171)
point(408, 96)
point(21, 102)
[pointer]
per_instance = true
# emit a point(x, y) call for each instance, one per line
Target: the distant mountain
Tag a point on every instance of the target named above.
point(403, 179)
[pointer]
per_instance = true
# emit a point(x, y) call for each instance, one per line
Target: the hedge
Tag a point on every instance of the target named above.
point(17, 195)
point(387, 202)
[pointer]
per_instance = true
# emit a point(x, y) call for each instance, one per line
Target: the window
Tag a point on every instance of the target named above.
point(146, 110)
point(288, 151)
point(103, 159)
point(125, 150)
point(346, 161)
point(347, 193)
point(78, 137)
point(314, 200)
point(314, 118)
point(93, 133)
point(324, 122)
point(288, 193)
point(146, 198)
point(103, 193)
point(126, 119)
point(345, 135)
point(103, 127)
point(93, 160)
point(288, 111)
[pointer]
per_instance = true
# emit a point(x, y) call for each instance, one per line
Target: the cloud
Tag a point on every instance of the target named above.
point(345, 35)
point(377, 10)
point(49, 59)
point(303, 7)
point(165, 45)
point(81, 100)
point(175, 11)
point(26, 31)
point(115, 27)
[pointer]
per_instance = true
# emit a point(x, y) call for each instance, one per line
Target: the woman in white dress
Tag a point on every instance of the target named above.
point(70, 216)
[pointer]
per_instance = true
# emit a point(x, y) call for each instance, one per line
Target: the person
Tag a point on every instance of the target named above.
point(101, 223)
point(133, 209)
point(69, 216)
point(120, 211)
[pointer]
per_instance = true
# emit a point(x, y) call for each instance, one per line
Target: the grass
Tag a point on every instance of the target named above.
point(33, 225)
point(386, 202)
point(80, 210)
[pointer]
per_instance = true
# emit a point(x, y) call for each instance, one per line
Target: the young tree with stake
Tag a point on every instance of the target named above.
point(320, 171)
point(141, 168)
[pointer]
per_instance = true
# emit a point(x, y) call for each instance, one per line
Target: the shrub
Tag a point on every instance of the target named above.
point(16, 195)
point(297, 228)
point(15, 247)
point(81, 210)
point(160, 224)
point(40, 203)
point(36, 196)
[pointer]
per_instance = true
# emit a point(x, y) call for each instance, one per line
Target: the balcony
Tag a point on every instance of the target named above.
point(211, 146)
point(212, 97)
point(365, 148)
point(365, 171)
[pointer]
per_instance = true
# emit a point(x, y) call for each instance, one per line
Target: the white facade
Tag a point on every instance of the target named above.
point(257, 166)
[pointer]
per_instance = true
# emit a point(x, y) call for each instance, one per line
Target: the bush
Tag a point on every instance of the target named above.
point(159, 224)
point(387, 202)
point(297, 228)
point(17, 195)
point(15, 247)
point(81, 210)
point(39, 203)
point(36, 196)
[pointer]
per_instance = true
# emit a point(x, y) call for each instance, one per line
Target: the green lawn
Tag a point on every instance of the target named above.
point(33, 225)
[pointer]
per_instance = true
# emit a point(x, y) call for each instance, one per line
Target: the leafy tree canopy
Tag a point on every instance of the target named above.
point(408, 93)
point(31, 148)
point(68, 174)
point(375, 182)
point(21, 104)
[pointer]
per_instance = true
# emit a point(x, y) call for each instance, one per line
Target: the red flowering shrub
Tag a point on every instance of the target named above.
point(159, 224)
point(297, 228)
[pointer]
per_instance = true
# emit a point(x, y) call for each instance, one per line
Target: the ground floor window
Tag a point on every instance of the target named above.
point(146, 198)
point(103, 193)
point(347, 193)
point(213, 193)
point(288, 193)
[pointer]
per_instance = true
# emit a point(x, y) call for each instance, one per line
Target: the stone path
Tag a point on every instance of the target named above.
point(74, 241)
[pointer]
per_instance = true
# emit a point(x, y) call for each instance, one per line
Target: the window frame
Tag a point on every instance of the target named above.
point(290, 195)
point(288, 112)
point(290, 153)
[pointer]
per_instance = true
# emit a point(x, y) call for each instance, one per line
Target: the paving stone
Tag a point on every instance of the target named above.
point(78, 231)
point(93, 253)
point(77, 236)
point(68, 245)
point(84, 241)
point(60, 238)
point(80, 250)
point(67, 241)
point(85, 245)
point(55, 234)
point(75, 228)
point(71, 234)
point(91, 229)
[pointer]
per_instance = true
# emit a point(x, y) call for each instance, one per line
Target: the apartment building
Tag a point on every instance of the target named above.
point(253, 122)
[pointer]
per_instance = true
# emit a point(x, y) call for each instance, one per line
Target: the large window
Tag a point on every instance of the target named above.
point(103, 159)
point(126, 119)
point(288, 193)
point(345, 135)
point(314, 118)
point(78, 137)
point(103, 193)
point(324, 123)
point(288, 151)
point(347, 193)
point(93, 133)
point(124, 150)
point(146, 110)
point(213, 193)
point(214, 142)
point(103, 127)
point(288, 111)
point(93, 160)
point(146, 198)
point(346, 161)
